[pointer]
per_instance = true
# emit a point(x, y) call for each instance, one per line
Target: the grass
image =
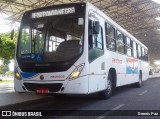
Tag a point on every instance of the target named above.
point(6, 81)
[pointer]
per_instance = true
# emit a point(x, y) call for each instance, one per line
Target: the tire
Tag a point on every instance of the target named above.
point(105, 94)
point(139, 83)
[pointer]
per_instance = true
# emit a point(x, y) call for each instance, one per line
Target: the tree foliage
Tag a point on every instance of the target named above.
point(4, 67)
point(7, 46)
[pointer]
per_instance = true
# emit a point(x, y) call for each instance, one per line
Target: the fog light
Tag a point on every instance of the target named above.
point(17, 75)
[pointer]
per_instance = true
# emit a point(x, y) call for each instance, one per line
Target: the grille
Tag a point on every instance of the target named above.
point(51, 87)
point(44, 69)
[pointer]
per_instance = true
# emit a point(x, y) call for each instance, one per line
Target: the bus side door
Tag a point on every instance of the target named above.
point(97, 79)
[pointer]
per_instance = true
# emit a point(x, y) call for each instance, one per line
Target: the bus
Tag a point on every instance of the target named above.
point(76, 49)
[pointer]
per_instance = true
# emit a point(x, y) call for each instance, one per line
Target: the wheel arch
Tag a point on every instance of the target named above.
point(140, 74)
point(112, 72)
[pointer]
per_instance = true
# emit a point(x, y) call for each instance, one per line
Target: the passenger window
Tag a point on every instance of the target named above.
point(146, 55)
point(128, 46)
point(143, 54)
point(139, 52)
point(134, 50)
point(120, 42)
point(110, 37)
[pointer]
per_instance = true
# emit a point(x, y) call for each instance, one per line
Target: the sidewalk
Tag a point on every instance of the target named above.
point(154, 75)
point(8, 96)
point(4, 88)
point(12, 98)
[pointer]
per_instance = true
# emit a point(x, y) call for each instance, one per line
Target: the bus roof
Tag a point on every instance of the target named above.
point(112, 22)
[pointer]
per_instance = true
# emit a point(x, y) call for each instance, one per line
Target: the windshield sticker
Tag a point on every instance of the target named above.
point(33, 56)
point(53, 12)
point(39, 57)
point(40, 25)
point(29, 56)
point(80, 21)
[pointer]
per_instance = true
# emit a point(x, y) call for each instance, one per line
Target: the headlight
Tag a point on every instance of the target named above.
point(76, 72)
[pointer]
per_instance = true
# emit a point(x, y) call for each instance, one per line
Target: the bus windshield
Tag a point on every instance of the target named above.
point(56, 39)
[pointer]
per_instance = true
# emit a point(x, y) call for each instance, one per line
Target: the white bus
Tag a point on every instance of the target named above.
point(76, 49)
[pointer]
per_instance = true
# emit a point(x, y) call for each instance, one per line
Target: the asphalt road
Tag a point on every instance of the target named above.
point(4, 88)
point(127, 103)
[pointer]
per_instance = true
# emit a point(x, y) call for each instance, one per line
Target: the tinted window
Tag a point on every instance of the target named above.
point(120, 42)
point(139, 52)
point(134, 50)
point(128, 46)
point(110, 37)
point(146, 55)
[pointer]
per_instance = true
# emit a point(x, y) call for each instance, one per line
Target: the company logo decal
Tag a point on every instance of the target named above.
point(116, 61)
point(41, 77)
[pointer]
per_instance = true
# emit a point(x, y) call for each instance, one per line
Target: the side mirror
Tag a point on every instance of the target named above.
point(12, 34)
point(96, 27)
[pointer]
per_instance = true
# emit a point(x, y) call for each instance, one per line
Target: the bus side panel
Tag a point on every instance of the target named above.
point(97, 77)
point(77, 86)
point(128, 70)
point(145, 70)
point(120, 61)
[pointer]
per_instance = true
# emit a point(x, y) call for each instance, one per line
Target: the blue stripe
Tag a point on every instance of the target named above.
point(28, 75)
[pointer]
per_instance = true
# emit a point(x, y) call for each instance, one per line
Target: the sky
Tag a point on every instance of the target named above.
point(3, 23)
point(6, 27)
point(157, 1)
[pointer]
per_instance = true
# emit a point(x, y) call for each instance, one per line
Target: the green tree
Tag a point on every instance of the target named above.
point(10, 73)
point(4, 67)
point(7, 50)
point(7, 46)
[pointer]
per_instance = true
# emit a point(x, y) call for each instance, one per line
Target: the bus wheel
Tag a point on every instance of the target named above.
point(105, 94)
point(139, 83)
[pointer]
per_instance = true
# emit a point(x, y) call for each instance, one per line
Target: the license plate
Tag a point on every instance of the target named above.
point(42, 90)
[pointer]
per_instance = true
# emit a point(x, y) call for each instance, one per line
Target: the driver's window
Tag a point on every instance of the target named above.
point(95, 42)
point(25, 44)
